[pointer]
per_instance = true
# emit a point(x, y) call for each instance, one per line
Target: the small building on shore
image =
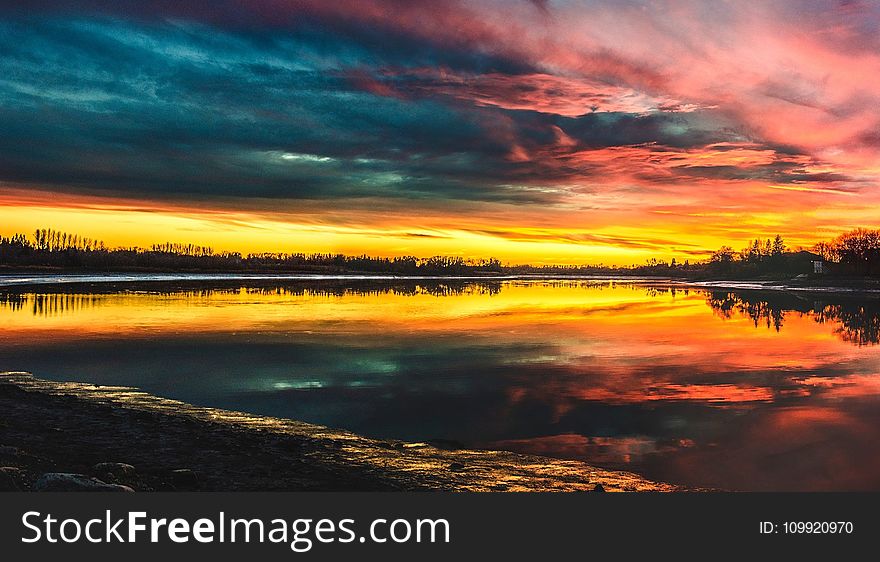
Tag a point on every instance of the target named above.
point(804, 262)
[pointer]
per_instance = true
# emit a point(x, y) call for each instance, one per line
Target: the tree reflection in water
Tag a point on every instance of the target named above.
point(855, 319)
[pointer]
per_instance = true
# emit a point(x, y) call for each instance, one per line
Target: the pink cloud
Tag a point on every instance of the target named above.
point(544, 93)
point(804, 77)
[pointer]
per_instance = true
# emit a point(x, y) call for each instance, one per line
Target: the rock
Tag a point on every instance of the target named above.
point(456, 466)
point(67, 482)
point(184, 477)
point(599, 488)
point(7, 483)
point(118, 470)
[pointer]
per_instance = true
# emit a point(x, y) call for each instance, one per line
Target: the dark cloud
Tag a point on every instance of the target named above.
point(288, 101)
point(179, 108)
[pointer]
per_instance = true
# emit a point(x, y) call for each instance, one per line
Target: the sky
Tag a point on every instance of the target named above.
point(535, 131)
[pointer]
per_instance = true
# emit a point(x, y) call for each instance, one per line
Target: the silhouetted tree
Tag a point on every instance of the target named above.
point(859, 250)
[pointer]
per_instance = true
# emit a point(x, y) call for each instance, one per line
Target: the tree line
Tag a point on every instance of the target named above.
point(57, 249)
point(56, 241)
point(856, 252)
point(853, 253)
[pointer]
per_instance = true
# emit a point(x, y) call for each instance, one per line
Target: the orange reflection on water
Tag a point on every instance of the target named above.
point(629, 343)
point(664, 380)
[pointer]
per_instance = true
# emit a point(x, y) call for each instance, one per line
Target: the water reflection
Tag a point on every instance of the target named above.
point(754, 391)
point(855, 320)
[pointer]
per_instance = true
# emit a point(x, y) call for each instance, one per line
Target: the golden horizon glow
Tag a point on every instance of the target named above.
point(507, 234)
point(566, 133)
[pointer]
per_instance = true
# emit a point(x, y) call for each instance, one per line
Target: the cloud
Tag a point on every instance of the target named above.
point(181, 109)
point(611, 109)
point(543, 93)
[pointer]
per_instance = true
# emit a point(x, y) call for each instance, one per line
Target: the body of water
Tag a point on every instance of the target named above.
point(743, 390)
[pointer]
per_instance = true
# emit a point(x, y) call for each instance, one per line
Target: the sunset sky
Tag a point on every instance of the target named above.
point(534, 131)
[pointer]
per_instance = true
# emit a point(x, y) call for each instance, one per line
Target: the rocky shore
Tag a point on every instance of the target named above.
point(72, 436)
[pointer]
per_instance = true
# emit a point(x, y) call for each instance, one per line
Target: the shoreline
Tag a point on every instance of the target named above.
point(69, 427)
point(20, 281)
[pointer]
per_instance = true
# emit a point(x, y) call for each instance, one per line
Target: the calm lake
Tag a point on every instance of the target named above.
point(718, 388)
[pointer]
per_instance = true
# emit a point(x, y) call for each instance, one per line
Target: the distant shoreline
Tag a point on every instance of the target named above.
point(24, 279)
point(58, 427)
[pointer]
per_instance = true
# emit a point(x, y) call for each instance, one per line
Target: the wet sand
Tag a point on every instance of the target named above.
point(50, 427)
